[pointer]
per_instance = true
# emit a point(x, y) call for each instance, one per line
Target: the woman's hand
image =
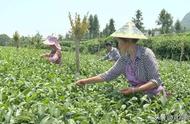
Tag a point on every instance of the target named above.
point(94, 79)
point(45, 55)
point(130, 90)
point(138, 88)
point(42, 56)
point(81, 82)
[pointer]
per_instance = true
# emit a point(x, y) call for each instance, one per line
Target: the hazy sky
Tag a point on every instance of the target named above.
point(51, 16)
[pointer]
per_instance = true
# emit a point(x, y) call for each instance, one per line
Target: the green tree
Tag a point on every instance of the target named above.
point(60, 37)
point(29, 41)
point(109, 29)
point(178, 27)
point(138, 20)
point(16, 38)
point(4, 40)
point(111, 26)
point(101, 34)
point(37, 39)
point(165, 20)
point(96, 27)
point(78, 30)
point(68, 36)
point(149, 32)
point(106, 31)
point(91, 24)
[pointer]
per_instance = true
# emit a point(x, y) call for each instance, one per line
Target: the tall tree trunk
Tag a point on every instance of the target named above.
point(182, 51)
point(77, 57)
point(17, 44)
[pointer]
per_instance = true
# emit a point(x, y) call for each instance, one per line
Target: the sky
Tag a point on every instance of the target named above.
point(51, 16)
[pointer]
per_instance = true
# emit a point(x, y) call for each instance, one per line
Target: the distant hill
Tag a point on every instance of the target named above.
point(186, 21)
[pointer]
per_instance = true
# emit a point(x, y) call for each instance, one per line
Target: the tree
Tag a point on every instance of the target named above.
point(68, 36)
point(78, 29)
point(109, 29)
point(111, 26)
point(29, 41)
point(37, 39)
point(178, 26)
point(96, 27)
point(138, 20)
point(60, 37)
point(4, 40)
point(149, 32)
point(101, 34)
point(165, 20)
point(106, 31)
point(16, 38)
point(90, 28)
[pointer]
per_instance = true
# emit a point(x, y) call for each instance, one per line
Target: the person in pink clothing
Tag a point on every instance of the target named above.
point(55, 55)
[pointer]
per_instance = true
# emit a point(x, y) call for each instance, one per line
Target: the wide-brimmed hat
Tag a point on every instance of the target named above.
point(52, 40)
point(130, 31)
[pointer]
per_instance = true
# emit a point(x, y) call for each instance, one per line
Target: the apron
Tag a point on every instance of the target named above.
point(130, 74)
point(58, 61)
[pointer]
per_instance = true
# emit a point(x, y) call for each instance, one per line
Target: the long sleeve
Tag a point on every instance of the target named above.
point(116, 55)
point(106, 57)
point(115, 71)
point(151, 67)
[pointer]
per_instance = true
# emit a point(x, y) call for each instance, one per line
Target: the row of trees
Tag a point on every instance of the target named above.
point(109, 29)
point(21, 41)
point(94, 28)
point(165, 21)
point(91, 29)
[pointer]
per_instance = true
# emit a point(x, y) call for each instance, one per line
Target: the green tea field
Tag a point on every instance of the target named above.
point(33, 91)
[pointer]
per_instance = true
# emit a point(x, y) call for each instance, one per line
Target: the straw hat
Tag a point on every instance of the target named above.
point(51, 40)
point(129, 31)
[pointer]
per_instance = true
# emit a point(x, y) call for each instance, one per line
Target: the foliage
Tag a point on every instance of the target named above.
point(165, 20)
point(4, 40)
point(16, 38)
point(78, 30)
point(37, 40)
point(111, 26)
point(178, 27)
point(78, 27)
point(109, 29)
point(90, 20)
point(138, 20)
point(94, 27)
point(171, 46)
point(106, 31)
point(34, 91)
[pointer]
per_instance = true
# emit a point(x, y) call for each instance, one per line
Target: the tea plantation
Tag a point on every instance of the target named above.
point(36, 92)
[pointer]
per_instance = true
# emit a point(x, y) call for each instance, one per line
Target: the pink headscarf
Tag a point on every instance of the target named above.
point(51, 40)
